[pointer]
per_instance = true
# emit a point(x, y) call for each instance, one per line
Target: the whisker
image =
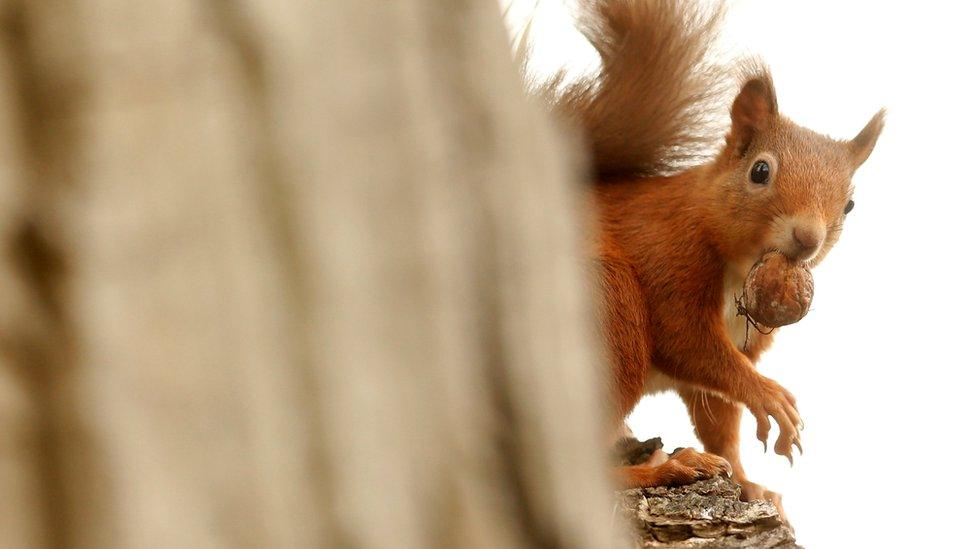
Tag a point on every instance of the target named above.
point(708, 408)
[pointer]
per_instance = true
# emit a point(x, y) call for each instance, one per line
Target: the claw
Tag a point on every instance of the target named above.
point(764, 446)
point(789, 456)
point(798, 446)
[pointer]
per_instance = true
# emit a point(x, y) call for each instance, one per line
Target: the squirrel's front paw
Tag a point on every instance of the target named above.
point(774, 400)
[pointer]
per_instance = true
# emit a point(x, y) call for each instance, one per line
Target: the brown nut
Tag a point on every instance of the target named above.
point(777, 291)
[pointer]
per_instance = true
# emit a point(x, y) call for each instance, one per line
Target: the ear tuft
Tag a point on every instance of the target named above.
point(753, 110)
point(861, 146)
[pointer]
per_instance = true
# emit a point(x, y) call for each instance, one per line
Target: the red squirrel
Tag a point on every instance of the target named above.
point(682, 216)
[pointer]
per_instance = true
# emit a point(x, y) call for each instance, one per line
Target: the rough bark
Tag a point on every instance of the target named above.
point(705, 514)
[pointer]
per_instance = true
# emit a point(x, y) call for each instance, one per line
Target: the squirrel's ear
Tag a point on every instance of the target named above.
point(753, 110)
point(861, 146)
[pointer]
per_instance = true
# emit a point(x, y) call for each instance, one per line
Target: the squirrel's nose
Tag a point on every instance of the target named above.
point(808, 239)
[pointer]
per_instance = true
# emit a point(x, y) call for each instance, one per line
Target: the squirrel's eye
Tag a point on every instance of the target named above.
point(759, 174)
point(848, 207)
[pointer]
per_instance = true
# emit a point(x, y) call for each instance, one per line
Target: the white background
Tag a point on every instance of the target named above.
point(882, 367)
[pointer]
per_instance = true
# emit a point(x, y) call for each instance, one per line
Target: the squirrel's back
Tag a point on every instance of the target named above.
point(656, 104)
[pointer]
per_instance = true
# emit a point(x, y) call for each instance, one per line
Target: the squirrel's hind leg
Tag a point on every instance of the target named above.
point(624, 329)
point(684, 467)
point(716, 422)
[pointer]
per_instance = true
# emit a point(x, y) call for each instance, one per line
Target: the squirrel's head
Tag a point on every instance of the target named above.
point(782, 186)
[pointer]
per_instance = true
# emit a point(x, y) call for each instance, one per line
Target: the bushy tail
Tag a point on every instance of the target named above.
point(656, 104)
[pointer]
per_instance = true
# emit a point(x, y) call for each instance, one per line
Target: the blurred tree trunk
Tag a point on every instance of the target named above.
point(282, 274)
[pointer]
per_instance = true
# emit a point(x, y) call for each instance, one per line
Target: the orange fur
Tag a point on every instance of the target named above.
point(673, 238)
point(684, 467)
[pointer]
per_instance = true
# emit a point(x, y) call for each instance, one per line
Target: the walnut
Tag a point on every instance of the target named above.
point(777, 291)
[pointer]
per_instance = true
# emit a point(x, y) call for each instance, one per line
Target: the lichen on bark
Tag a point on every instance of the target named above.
point(706, 514)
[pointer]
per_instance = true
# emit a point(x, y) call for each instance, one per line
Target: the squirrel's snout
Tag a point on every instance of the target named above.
point(807, 239)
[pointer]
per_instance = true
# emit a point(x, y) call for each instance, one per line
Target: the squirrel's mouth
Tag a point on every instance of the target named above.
point(798, 248)
point(798, 236)
point(792, 254)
